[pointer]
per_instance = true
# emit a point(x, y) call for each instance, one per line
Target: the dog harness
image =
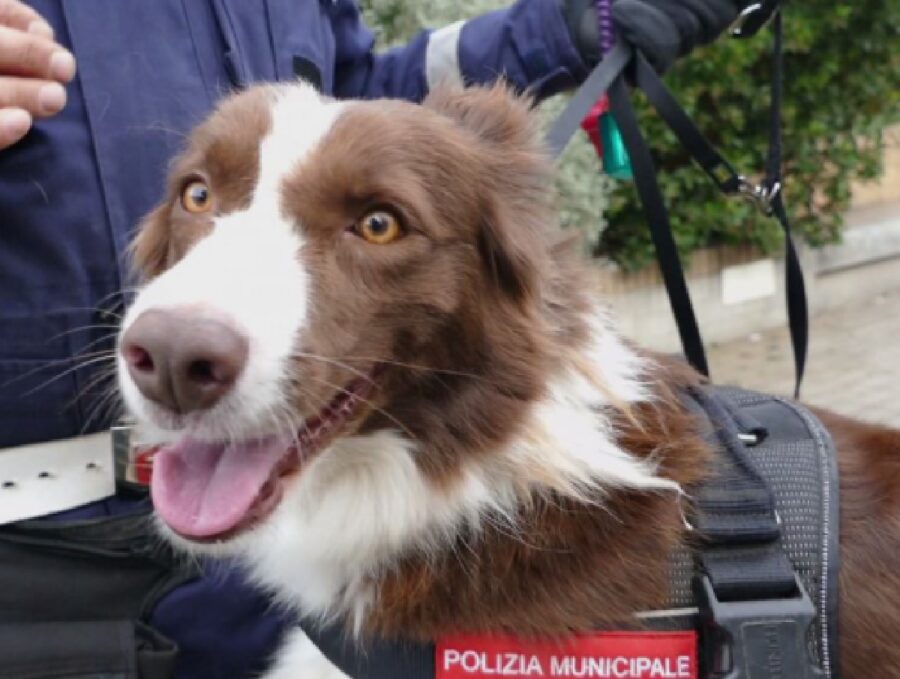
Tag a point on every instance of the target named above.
point(755, 598)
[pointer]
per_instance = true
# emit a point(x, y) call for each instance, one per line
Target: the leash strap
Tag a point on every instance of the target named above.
point(660, 229)
point(597, 83)
point(798, 313)
point(767, 196)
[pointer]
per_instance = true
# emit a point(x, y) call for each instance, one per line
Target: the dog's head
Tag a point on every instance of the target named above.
point(365, 336)
point(321, 270)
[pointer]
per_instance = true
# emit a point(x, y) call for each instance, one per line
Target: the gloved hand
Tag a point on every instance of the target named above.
point(662, 29)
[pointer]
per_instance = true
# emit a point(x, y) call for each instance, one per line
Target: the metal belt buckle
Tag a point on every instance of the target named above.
point(761, 639)
point(758, 194)
point(133, 459)
point(752, 18)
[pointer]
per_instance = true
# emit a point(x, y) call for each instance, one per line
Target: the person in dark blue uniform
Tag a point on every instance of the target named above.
point(95, 99)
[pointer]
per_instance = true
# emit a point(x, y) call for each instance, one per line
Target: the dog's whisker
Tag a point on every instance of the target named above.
point(104, 409)
point(336, 362)
point(283, 417)
point(106, 356)
point(93, 310)
point(417, 367)
point(375, 360)
point(99, 340)
point(104, 373)
point(85, 328)
point(318, 404)
point(54, 363)
point(367, 402)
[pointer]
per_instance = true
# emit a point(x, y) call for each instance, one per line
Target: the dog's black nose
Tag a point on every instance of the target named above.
point(181, 359)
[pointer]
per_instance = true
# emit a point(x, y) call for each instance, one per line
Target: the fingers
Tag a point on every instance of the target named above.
point(40, 98)
point(15, 14)
point(30, 55)
point(644, 24)
point(14, 124)
point(32, 70)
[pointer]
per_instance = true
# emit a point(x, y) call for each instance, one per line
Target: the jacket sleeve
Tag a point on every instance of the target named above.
point(527, 43)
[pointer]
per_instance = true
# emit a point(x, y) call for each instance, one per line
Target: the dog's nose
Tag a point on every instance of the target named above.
point(182, 360)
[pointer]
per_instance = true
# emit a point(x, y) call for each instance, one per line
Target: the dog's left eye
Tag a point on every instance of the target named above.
point(379, 227)
point(196, 197)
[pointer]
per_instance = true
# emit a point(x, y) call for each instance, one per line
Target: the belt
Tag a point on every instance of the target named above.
point(42, 478)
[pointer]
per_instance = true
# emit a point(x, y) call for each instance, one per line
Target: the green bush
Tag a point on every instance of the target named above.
point(842, 88)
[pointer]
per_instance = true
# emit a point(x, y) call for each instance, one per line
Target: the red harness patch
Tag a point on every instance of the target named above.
point(599, 655)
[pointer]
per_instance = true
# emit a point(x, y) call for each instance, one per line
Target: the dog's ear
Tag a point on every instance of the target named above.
point(495, 114)
point(514, 182)
point(513, 253)
point(150, 246)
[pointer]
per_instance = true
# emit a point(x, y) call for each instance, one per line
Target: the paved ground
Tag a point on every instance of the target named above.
point(853, 366)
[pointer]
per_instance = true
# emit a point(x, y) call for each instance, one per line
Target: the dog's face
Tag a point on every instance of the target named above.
point(317, 271)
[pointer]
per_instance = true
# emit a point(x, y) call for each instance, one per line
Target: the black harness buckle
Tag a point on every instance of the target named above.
point(761, 639)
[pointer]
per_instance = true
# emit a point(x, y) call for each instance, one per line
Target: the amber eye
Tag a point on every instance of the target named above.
point(379, 227)
point(196, 197)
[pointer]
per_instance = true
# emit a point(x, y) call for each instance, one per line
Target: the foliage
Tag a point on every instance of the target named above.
point(842, 68)
point(842, 65)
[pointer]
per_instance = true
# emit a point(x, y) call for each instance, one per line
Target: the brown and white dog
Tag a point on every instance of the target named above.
point(395, 397)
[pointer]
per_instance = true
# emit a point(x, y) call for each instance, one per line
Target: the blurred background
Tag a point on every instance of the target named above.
point(841, 135)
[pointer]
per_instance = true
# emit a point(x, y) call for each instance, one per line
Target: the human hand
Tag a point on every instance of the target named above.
point(663, 30)
point(33, 69)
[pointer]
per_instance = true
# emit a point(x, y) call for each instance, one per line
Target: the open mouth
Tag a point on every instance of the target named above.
point(207, 491)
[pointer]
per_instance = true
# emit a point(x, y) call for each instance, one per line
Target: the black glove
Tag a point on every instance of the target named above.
point(662, 29)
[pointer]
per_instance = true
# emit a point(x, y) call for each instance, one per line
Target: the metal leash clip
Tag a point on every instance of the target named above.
point(760, 195)
point(753, 18)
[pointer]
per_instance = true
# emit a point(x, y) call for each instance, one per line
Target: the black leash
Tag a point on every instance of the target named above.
point(569, 120)
point(798, 312)
point(660, 229)
point(767, 196)
point(607, 76)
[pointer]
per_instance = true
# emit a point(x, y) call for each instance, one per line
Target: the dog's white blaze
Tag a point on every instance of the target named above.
point(244, 271)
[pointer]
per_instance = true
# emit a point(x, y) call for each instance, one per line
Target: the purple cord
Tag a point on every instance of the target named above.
point(604, 19)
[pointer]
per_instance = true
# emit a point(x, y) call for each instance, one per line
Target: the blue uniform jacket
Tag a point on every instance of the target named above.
point(73, 190)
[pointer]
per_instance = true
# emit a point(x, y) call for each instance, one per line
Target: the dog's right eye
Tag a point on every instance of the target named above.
point(379, 227)
point(196, 197)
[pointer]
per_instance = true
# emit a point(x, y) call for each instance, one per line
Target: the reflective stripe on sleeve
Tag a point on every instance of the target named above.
point(442, 56)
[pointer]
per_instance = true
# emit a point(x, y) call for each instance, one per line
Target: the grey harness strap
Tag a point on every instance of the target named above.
point(795, 457)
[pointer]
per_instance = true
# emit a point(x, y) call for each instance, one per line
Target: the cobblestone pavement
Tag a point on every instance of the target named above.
point(853, 366)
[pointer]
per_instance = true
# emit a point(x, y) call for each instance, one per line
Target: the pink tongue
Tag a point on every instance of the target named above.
point(205, 489)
